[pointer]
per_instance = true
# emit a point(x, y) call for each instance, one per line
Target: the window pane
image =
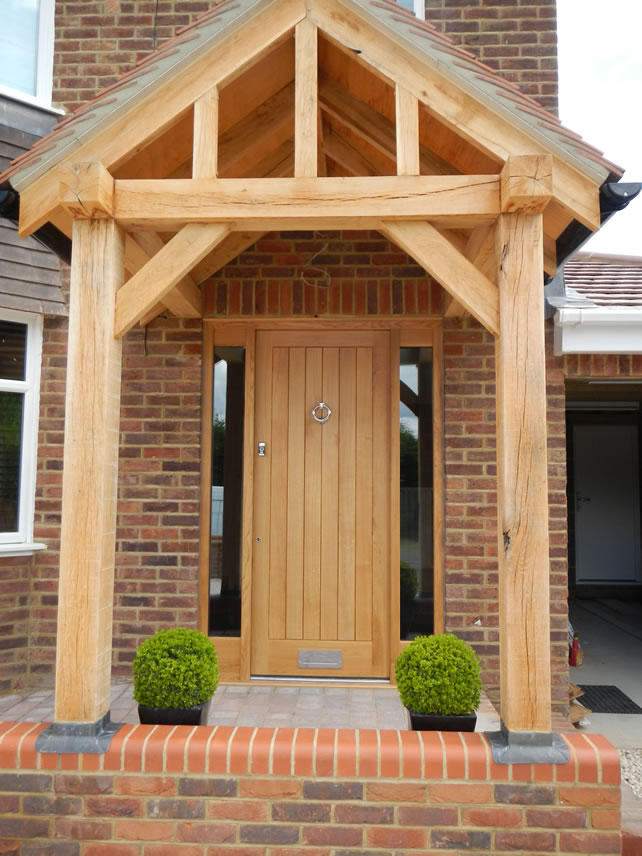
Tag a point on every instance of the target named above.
point(415, 411)
point(227, 492)
point(13, 343)
point(11, 408)
point(19, 45)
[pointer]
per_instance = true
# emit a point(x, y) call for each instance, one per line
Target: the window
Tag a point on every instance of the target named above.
point(416, 6)
point(26, 49)
point(20, 350)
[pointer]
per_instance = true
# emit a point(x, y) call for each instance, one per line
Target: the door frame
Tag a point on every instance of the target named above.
point(235, 652)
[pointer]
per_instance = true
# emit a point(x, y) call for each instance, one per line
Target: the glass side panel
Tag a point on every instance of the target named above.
point(13, 353)
point(227, 492)
point(11, 418)
point(416, 491)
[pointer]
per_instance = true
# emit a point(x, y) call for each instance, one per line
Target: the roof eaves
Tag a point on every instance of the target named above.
point(133, 87)
point(484, 84)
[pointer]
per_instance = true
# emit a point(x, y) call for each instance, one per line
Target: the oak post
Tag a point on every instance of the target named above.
point(90, 474)
point(523, 557)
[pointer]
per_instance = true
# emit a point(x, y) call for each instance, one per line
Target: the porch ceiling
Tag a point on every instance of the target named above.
point(333, 89)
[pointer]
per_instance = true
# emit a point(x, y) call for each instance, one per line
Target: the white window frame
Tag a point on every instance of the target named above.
point(44, 59)
point(418, 7)
point(21, 542)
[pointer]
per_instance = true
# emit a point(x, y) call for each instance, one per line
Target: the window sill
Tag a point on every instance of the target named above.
point(21, 549)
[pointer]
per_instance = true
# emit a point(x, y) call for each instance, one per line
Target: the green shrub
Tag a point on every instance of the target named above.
point(175, 668)
point(408, 585)
point(439, 674)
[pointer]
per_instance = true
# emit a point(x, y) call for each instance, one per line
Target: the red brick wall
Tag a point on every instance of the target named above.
point(367, 275)
point(518, 38)
point(471, 501)
point(96, 42)
point(205, 791)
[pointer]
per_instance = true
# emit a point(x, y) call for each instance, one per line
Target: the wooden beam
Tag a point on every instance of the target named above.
point(165, 205)
point(185, 299)
point(480, 250)
point(478, 124)
point(90, 476)
point(255, 136)
point(279, 163)
point(522, 465)
point(168, 267)
point(233, 245)
point(526, 183)
point(149, 116)
point(452, 270)
point(346, 155)
point(86, 190)
point(205, 144)
point(305, 102)
point(407, 132)
point(371, 126)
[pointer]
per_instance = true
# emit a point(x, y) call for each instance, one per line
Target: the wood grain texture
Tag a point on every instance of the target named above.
point(86, 189)
point(205, 144)
point(526, 183)
point(407, 132)
point(90, 476)
point(114, 145)
point(246, 336)
point(522, 477)
point(326, 582)
point(164, 271)
point(472, 121)
point(170, 203)
point(449, 267)
point(305, 101)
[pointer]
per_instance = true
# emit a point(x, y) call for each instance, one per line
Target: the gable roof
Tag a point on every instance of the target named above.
point(417, 37)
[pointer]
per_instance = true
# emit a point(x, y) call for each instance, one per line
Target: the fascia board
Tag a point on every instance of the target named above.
point(598, 331)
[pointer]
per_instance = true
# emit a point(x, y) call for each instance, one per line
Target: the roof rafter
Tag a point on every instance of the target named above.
point(114, 143)
point(471, 119)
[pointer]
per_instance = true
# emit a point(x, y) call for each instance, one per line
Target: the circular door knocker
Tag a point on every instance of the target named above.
point(321, 406)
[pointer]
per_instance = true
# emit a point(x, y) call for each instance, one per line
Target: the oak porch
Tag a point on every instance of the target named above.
point(484, 237)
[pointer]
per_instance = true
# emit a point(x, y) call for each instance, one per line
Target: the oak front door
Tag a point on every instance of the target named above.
point(321, 551)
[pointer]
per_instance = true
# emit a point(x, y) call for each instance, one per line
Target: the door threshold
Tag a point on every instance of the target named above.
point(310, 679)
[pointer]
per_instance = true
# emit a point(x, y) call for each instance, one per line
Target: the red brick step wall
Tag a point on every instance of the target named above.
point(162, 791)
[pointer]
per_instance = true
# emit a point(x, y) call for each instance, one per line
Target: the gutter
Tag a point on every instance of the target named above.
point(48, 235)
point(614, 197)
point(598, 330)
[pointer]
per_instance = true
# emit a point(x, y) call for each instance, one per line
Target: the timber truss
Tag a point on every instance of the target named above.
point(323, 114)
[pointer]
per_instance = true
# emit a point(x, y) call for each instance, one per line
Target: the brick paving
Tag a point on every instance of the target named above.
point(262, 705)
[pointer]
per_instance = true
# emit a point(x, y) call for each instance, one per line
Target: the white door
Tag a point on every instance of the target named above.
point(607, 503)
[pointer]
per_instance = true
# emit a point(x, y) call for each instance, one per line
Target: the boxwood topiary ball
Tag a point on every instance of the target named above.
point(175, 668)
point(439, 674)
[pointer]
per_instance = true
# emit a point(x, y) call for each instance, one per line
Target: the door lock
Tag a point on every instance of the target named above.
point(261, 450)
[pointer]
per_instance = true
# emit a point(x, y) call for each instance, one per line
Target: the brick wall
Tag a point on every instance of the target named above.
point(96, 42)
point(160, 791)
point(366, 275)
point(518, 38)
point(471, 501)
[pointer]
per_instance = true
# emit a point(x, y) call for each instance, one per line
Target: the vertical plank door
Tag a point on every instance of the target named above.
point(321, 510)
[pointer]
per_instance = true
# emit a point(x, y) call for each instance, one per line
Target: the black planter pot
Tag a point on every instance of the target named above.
point(441, 722)
point(196, 715)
